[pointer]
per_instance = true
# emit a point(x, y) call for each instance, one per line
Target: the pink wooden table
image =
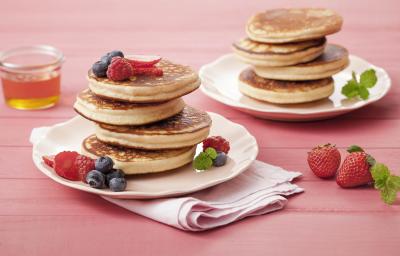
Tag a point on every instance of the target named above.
point(40, 217)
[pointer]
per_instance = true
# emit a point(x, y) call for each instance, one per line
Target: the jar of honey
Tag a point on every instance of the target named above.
point(30, 76)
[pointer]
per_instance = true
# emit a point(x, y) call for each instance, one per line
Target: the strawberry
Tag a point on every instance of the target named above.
point(64, 163)
point(49, 160)
point(324, 160)
point(143, 61)
point(70, 165)
point(82, 166)
point(218, 143)
point(152, 71)
point(355, 170)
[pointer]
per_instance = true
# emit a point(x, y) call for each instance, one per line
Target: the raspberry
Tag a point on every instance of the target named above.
point(119, 69)
point(64, 163)
point(218, 143)
point(82, 166)
point(49, 160)
point(152, 71)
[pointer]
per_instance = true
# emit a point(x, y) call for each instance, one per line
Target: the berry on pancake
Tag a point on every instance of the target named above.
point(119, 69)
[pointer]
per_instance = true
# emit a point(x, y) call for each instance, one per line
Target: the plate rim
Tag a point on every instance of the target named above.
point(241, 167)
point(230, 102)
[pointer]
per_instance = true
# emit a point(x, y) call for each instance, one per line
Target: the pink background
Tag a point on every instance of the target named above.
point(40, 217)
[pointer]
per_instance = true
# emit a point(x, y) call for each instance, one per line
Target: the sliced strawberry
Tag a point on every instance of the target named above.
point(143, 61)
point(64, 165)
point(154, 71)
point(49, 160)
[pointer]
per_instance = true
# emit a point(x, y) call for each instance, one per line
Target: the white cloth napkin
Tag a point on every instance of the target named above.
point(259, 190)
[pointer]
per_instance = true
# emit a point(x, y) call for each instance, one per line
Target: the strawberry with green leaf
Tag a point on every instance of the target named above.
point(354, 88)
point(360, 168)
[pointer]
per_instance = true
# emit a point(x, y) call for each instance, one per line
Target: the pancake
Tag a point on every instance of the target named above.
point(283, 92)
point(188, 128)
point(264, 54)
point(176, 81)
point(137, 161)
point(334, 59)
point(293, 25)
point(113, 112)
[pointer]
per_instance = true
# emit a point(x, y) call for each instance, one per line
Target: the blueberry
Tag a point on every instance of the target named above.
point(99, 68)
point(104, 164)
point(96, 179)
point(107, 58)
point(114, 174)
point(117, 184)
point(220, 160)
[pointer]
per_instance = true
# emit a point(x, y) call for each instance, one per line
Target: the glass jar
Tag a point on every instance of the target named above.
point(30, 76)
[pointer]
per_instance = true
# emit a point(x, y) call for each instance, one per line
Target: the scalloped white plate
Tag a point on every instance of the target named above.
point(220, 82)
point(69, 135)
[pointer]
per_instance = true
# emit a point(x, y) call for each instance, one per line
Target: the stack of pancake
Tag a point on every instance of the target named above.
point(290, 57)
point(143, 123)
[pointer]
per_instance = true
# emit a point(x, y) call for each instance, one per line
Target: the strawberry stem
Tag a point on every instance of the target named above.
point(371, 161)
point(354, 148)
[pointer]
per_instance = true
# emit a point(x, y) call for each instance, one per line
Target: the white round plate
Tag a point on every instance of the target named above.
point(220, 82)
point(70, 134)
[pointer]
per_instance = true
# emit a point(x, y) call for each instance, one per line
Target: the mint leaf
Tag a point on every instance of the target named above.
point(395, 181)
point(363, 92)
point(388, 195)
point(387, 183)
point(211, 152)
point(368, 78)
point(380, 173)
point(354, 88)
point(354, 76)
point(350, 90)
point(202, 161)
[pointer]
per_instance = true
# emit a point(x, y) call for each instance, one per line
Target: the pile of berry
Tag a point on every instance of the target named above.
point(215, 150)
point(357, 169)
point(116, 67)
point(97, 173)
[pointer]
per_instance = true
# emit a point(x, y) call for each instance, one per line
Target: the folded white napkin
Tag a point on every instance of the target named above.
point(259, 190)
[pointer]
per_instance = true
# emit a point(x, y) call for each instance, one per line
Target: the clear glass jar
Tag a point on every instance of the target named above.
point(30, 76)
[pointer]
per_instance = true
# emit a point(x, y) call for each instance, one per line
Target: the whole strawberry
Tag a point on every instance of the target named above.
point(355, 170)
point(324, 160)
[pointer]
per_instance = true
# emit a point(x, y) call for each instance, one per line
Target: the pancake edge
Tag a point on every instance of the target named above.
point(287, 97)
point(151, 166)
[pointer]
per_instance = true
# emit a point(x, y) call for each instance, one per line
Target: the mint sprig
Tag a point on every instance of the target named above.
point(359, 88)
point(387, 183)
point(204, 160)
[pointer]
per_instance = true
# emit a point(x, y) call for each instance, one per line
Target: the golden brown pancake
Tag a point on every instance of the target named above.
point(136, 161)
point(283, 92)
point(176, 81)
point(293, 25)
point(334, 59)
point(114, 112)
point(253, 47)
point(275, 55)
point(187, 128)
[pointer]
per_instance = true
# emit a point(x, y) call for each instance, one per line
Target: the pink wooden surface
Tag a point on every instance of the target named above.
point(40, 217)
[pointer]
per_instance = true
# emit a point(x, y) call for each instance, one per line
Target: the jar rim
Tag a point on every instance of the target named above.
point(39, 49)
